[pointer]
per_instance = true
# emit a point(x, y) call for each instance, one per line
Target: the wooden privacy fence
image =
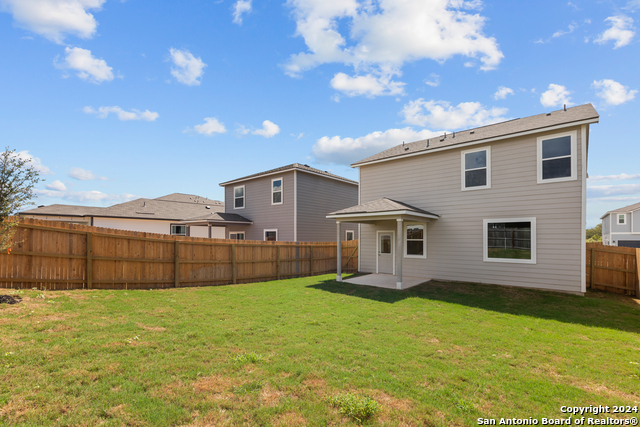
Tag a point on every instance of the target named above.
point(614, 269)
point(53, 255)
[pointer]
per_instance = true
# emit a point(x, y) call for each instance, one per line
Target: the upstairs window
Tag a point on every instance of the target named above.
point(622, 219)
point(557, 157)
point(476, 169)
point(276, 191)
point(238, 197)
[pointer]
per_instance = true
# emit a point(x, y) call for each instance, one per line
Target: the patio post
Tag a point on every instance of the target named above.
point(399, 253)
point(339, 254)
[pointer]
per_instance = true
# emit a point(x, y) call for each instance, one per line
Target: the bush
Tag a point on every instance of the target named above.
point(358, 408)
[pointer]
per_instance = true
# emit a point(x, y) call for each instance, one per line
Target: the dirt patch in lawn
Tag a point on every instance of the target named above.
point(270, 396)
point(152, 328)
point(15, 409)
point(289, 419)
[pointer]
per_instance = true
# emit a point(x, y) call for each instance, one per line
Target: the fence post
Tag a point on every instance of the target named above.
point(89, 260)
point(311, 261)
point(638, 271)
point(176, 258)
point(233, 263)
point(593, 268)
point(278, 262)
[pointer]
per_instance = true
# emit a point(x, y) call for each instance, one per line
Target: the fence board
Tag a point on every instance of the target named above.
point(613, 269)
point(54, 255)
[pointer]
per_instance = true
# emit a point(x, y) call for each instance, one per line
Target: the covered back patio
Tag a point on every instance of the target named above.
point(391, 245)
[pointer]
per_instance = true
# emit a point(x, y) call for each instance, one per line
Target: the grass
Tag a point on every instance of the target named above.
point(275, 353)
point(509, 253)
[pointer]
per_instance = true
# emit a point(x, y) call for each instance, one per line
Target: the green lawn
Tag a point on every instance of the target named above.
point(509, 253)
point(276, 353)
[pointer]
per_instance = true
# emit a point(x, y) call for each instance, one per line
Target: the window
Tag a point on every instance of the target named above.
point(276, 191)
point(236, 235)
point(476, 169)
point(510, 240)
point(416, 241)
point(270, 235)
point(385, 244)
point(557, 157)
point(350, 235)
point(178, 230)
point(238, 197)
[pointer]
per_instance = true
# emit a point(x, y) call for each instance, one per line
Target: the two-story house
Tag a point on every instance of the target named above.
point(500, 204)
point(288, 203)
point(621, 227)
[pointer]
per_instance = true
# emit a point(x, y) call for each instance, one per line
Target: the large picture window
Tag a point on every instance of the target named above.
point(557, 157)
point(510, 240)
point(476, 169)
point(276, 191)
point(415, 241)
point(238, 197)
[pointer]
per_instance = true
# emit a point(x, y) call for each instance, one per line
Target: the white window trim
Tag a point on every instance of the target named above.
point(264, 233)
point(463, 169)
point(624, 219)
point(424, 240)
point(485, 241)
point(236, 233)
point(281, 190)
point(244, 197)
point(346, 235)
point(393, 248)
point(574, 157)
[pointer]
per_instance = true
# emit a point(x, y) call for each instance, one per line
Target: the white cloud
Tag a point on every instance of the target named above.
point(613, 190)
point(440, 114)
point(241, 7)
point(86, 196)
point(188, 69)
point(384, 35)
point(622, 176)
point(502, 93)
point(621, 31)
point(54, 19)
point(56, 185)
point(123, 115)
point(89, 68)
point(434, 82)
point(268, 130)
point(613, 92)
point(348, 150)
point(85, 175)
point(632, 5)
point(35, 162)
point(368, 85)
point(569, 30)
point(556, 95)
point(210, 126)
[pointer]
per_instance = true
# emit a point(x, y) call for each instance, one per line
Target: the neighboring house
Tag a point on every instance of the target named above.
point(290, 204)
point(501, 204)
point(162, 215)
point(621, 227)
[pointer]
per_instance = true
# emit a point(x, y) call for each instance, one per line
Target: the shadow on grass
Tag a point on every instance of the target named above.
point(596, 309)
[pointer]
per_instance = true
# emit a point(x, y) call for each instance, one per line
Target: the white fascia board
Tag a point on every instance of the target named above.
point(389, 213)
point(345, 180)
point(479, 141)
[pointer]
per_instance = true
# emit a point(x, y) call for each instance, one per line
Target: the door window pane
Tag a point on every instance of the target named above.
point(385, 244)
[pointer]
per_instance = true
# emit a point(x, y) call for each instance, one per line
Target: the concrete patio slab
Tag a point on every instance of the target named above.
point(387, 281)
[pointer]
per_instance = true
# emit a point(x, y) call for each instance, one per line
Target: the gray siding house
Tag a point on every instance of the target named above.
point(289, 203)
point(621, 227)
point(500, 204)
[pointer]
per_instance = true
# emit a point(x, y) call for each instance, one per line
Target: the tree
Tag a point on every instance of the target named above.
point(17, 179)
point(594, 234)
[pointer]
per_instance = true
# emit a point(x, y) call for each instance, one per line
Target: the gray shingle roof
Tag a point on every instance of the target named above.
point(219, 216)
point(293, 166)
point(504, 129)
point(629, 208)
point(381, 206)
point(174, 210)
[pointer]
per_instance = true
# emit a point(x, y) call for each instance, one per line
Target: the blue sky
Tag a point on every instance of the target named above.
point(114, 100)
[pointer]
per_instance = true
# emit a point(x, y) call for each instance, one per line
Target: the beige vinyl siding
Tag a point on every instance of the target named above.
point(73, 219)
point(258, 207)
point(318, 196)
point(145, 225)
point(455, 241)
